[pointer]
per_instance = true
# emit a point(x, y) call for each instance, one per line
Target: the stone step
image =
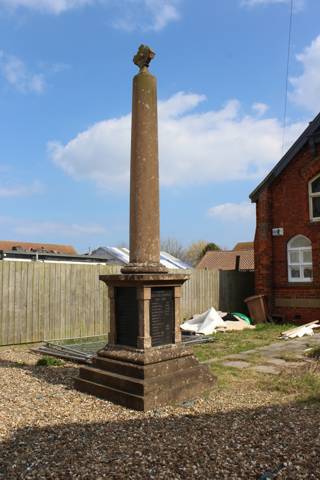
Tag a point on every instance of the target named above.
point(150, 386)
point(124, 383)
point(144, 371)
point(112, 394)
point(144, 394)
point(117, 366)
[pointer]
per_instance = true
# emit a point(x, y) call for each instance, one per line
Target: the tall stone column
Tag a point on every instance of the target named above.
point(144, 176)
point(145, 364)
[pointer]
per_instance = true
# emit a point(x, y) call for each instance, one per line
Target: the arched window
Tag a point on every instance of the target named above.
point(299, 259)
point(314, 198)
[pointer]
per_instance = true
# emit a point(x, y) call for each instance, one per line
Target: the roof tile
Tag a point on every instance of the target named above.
point(226, 260)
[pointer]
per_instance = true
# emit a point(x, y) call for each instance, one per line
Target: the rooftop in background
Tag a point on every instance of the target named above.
point(244, 246)
point(48, 257)
point(28, 247)
point(120, 256)
point(227, 260)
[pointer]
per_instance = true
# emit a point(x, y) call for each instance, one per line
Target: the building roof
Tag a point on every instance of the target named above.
point(36, 247)
point(49, 257)
point(226, 260)
point(120, 256)
point(305, 137)
point(243, 246)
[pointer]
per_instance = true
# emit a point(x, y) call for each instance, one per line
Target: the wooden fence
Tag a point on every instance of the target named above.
point(56, 301)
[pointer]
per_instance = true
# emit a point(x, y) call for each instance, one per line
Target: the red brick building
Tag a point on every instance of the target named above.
point(287, 239)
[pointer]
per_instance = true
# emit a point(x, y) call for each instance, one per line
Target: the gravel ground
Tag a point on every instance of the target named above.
point(50, 431)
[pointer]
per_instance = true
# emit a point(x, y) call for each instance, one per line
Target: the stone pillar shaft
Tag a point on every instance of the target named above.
point(144, 180)
point(144, 177)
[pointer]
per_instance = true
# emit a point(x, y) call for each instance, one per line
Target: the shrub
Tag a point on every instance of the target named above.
point(49, 362)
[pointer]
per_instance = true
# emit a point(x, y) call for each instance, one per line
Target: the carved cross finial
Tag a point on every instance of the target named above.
point(143, 57)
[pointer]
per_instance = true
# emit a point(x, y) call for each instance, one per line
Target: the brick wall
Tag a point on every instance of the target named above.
point(285, 203)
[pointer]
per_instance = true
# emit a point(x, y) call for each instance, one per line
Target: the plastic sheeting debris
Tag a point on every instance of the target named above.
point(212, 321)
point(205, 323)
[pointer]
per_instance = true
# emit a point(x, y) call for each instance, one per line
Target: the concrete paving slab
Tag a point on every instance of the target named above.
point(272, 348)
point(293, 364)
point(276, 361)
point(237, 356)
point(272, 354)
point(266, 369)
point(237, 364)
point(271, 361)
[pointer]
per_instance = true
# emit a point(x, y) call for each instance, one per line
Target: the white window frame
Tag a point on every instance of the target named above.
point(311, 197)
point(300, 264)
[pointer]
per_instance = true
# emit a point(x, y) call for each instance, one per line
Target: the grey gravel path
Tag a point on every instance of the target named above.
point(50, 431)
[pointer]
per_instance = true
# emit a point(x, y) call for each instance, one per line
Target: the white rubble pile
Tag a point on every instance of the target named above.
point(298, 332)
point(212, 321)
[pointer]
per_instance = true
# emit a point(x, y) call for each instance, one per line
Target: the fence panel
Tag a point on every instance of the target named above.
point(56, 301)
point(234, 288)
point(200, 292)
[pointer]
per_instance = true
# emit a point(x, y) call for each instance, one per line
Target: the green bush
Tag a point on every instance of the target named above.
point(49, 362)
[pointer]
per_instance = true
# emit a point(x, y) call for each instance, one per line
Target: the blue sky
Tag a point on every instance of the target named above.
point(65, 99)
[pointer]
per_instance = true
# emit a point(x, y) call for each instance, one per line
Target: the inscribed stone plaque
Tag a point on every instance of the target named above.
point(126, 313)
point(162, 316)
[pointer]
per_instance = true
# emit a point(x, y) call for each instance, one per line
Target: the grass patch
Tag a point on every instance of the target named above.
point(19, 364)
point(234, 379)
point(47, 361)
point(313, 353)
point(290, 357)
point(229, 343)
point(303, 384)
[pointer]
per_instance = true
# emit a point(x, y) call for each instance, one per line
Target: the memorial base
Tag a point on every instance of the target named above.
point(144, 380)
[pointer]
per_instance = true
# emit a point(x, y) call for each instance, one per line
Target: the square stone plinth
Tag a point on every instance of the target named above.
point(145, 365)
point(144, 380)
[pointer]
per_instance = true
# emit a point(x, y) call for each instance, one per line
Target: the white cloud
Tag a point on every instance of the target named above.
point(146, 14)
point(129, 14)
point(16, 73)
point(46, 6)
point(163, 12)
point(21, 190)
point(254, 3)
point(233, 211)
point(306, 87)
point(260, 108)
point(298, 4)
point(50, 230)
point(195, 147)
point(64, 229)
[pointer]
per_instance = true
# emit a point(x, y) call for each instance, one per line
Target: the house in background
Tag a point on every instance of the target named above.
point(15, 246)
point(241, 258)
point(43, 252)
point(287, 239)
point(244, 246)
point(120, 256)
